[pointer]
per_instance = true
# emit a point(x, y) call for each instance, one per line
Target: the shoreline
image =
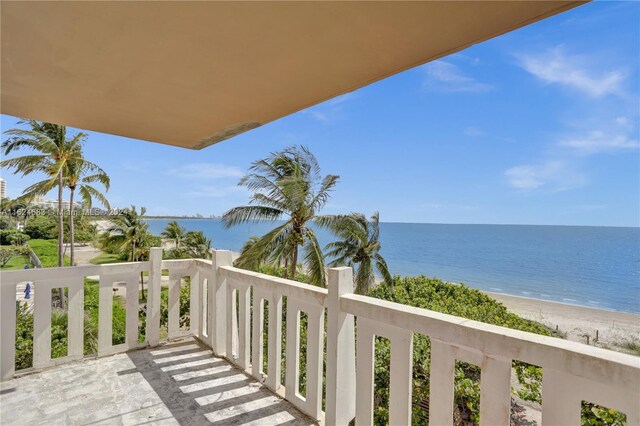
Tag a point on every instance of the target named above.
point(599, 327)
point(537, 299)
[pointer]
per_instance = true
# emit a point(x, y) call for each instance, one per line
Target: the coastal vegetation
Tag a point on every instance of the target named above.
point(46, 250)
point(54, 152)
point(14, 257)
point(174, 232)
point(191, 244)
point(359, 247)
point(59, 157)
point(286, 185)
point(79, 175)
point(129, 234)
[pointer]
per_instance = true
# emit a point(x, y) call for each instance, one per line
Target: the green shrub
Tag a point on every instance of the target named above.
point(42, 227)
point(59, 323)
point(12, 236)
point(24, 337)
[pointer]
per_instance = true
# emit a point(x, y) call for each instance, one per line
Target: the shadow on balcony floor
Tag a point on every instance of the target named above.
point(178, 383)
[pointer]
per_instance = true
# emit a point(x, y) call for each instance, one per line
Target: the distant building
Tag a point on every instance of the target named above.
point(52, 204)
point(3, 188)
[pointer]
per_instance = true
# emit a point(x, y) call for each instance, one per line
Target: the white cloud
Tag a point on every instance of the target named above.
point(473, 131)
point(318, 115)
point(554, 66)
point(339, 99)
point(206, 171)
point(550, 175)
point(444, 76)
point(623, 121)
point(599, 141)
point(329, 111)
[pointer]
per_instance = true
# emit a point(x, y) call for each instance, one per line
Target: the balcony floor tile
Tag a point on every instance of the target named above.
point(180, 383)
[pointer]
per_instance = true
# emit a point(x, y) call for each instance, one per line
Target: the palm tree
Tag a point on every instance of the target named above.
point(287, 185)
point(128, 232)
point(54, 150)
point(174, 232)
point(79, 175)
point(197, 245)
point(246, 261)
point(359, 245)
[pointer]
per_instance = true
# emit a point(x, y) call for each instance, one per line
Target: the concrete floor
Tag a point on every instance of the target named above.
point(179, 383)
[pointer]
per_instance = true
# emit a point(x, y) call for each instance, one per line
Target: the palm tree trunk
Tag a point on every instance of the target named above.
point(133, 251)
point(142, 283)
point(60, 235)
point(71, 226)
point(60, 222)
point(294, 262)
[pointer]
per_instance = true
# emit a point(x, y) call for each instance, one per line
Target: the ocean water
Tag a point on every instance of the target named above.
point(589, 266)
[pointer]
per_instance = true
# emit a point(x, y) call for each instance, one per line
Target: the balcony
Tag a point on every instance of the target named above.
point(226, 367)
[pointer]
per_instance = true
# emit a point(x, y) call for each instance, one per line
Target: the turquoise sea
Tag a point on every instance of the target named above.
point(582, 265)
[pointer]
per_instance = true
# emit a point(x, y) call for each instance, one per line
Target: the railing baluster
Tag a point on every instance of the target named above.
point(292, 360)
point(364, 373)
point(560, 406)
point(315, 343)
point(8, 330)
point(275, 342)
point(132, 311)
point(244, 333)
point(194, 302)
point(257, 337)
point(232, 324)
point(42, 325)
point(175, 279)
point(401, 375)
point(203, 332)
point(495, 391)
point(105, 312)
point(441, 383)
point(75, 327)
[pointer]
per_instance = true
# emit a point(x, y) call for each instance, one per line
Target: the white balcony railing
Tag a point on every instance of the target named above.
point(221, 317)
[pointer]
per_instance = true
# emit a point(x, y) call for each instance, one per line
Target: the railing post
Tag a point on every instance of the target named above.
point(217, 295)
point(495, 391)
point(561, 403)
point(341, 355)
point(8, 330)
point(154, 289)
point(441, 383)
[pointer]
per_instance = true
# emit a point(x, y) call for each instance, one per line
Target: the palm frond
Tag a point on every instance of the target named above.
point(381, 266)
point(244, 214)
point(314, 259)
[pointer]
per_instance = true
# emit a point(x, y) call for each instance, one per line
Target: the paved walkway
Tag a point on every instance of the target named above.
point(179, 383)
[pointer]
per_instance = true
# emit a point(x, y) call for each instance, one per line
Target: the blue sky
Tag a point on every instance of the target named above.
point(539, 126)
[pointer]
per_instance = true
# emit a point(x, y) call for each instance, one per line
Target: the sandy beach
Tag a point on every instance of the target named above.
point(612, 328)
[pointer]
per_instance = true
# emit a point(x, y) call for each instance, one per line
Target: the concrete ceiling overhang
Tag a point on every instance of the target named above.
point(191, 74)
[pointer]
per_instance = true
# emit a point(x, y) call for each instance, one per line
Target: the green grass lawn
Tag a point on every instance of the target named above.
point(104, 258)
point(17, 262)
point(47, 252)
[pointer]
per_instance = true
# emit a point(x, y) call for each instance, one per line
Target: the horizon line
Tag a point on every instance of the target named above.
point(152, 217)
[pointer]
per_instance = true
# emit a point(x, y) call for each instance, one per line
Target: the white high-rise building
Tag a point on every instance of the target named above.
point(3, 188)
